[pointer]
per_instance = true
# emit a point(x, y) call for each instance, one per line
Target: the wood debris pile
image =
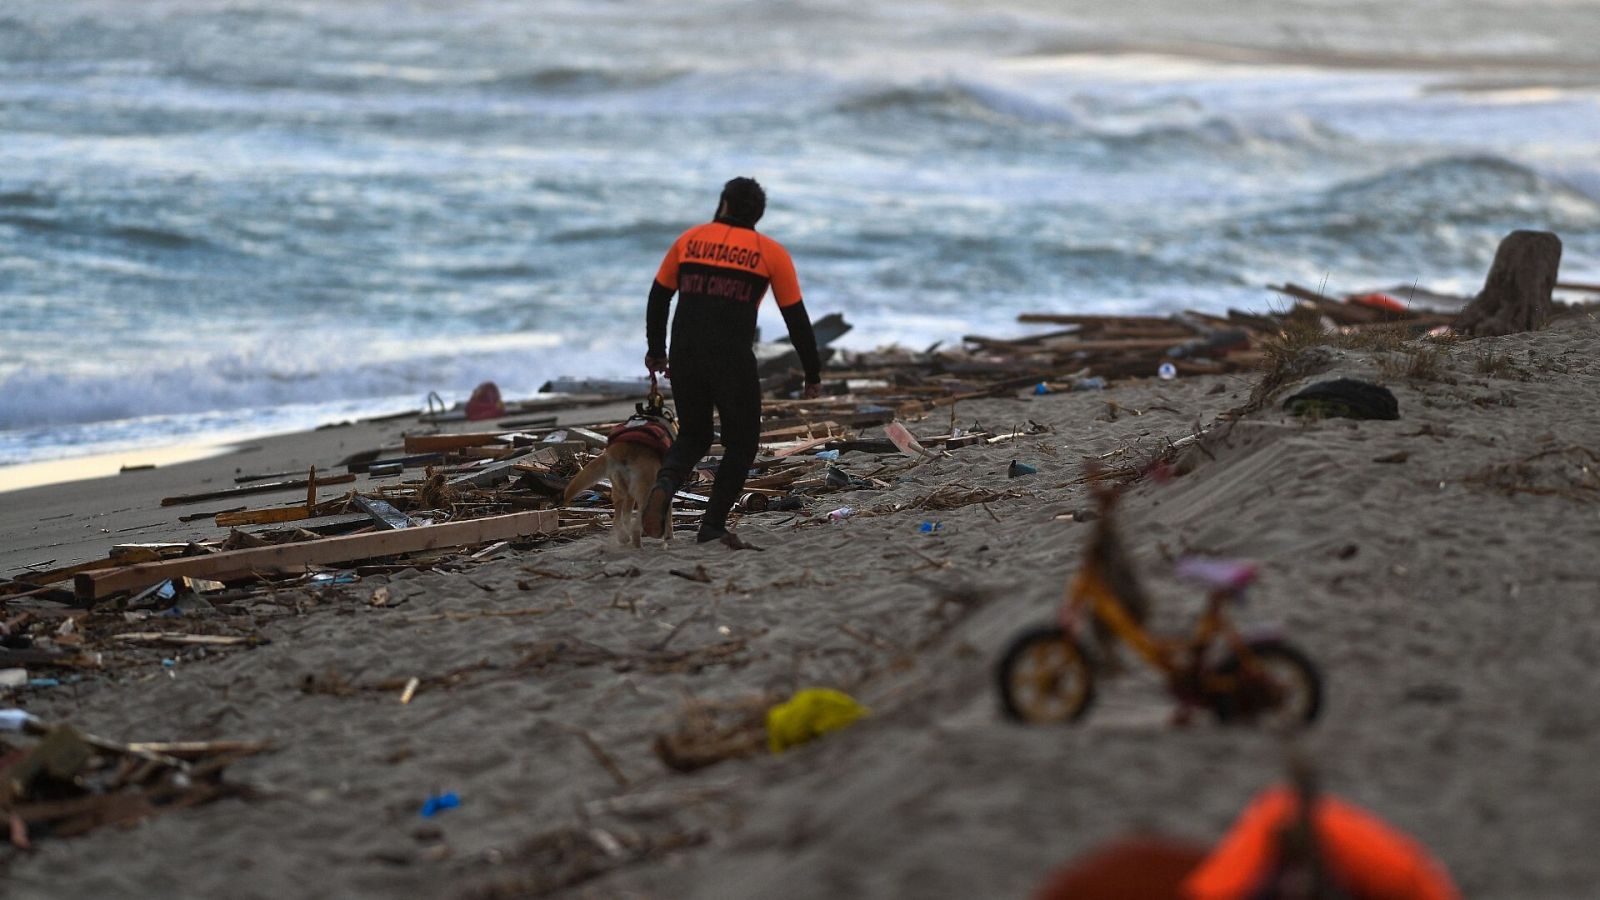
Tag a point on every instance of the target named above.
point(68, 783)
point(450, 499)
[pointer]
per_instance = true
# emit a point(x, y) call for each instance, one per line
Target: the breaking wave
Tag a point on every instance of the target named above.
point(371, 77)
point(1087, 123)
point(132, 237)
point(960, 100)
point(1455, 192)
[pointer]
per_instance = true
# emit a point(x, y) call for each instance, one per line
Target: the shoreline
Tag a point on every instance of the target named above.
point(100, 465)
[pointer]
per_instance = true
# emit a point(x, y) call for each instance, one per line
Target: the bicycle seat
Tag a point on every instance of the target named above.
point(1230, 575)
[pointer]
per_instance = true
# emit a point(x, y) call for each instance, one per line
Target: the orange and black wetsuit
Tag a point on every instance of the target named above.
point(721, 271)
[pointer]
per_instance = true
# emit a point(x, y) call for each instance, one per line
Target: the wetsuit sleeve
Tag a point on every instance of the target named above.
point(803, 338)
point(667, 275)
point(780, 272)
point(655, 318)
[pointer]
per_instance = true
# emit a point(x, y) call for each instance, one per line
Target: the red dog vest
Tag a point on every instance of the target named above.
point(657, 434)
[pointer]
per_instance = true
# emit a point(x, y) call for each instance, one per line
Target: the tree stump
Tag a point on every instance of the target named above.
point(1516, 295)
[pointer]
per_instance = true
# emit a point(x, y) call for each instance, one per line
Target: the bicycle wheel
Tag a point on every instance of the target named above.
point(1045, 678)
point(1282, 688)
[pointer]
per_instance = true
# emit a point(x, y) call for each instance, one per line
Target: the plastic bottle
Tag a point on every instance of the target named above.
point(1168, 371)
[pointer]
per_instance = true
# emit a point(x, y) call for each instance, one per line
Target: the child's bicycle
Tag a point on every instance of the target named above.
point(1048, 676)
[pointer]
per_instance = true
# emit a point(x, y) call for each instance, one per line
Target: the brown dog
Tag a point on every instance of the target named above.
point(631, 463)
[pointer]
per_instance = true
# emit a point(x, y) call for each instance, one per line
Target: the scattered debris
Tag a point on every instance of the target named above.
point(809, 714)
point(438, 803)
point(70, 782)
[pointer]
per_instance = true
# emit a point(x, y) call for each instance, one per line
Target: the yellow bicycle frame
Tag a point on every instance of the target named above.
point(1089, 589)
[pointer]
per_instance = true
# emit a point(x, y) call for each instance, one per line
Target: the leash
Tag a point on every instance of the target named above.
point(654, 401)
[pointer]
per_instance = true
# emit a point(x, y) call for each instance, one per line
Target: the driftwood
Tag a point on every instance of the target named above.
point(1516, 293)
point(298, 557)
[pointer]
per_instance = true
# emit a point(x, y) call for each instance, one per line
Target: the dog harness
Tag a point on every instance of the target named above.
point(651, 424)
point(650, 431)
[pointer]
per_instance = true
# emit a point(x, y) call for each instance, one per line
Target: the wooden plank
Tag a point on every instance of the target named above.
point(246, 479)
point(1054, 319)
point(488, 476)
point(593, 439)
point(182, 639)
point(126, 554)
point(1115, 344)
point(538, 422)
point(295, 558)
point(491, 451)
point(804, 430)
point(273, 515)
point(1013, 343)
point(270, 516)
point(51, 576)
point(187, 749)
point(409, 462)
point(332, 524)
point(803, 446)
point(1340, 313)
point(302, 484)
point(440, 443)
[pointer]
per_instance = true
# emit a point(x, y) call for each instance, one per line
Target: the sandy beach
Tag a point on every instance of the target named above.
point(1439, 568)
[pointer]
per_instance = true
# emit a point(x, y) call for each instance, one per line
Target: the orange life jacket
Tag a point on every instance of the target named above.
point(1367, 858)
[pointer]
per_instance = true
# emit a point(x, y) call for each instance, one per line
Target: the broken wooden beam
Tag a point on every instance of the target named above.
point(299, 557)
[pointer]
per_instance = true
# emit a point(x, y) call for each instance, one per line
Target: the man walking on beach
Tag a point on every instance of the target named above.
point(721, 271)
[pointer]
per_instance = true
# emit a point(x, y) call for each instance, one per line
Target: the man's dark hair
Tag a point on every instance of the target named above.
point(745, 198)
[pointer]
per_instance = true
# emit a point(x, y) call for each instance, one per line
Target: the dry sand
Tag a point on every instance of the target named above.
point(1453, 611)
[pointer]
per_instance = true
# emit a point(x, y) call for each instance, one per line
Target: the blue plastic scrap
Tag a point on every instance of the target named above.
point(439, 803)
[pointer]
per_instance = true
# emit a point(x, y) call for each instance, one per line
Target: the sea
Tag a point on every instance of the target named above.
point(222, 218)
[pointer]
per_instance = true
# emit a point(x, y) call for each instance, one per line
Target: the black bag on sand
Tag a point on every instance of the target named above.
point(1345, 398)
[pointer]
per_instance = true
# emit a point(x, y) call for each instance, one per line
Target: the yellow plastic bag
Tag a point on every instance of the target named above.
point(808, 714)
